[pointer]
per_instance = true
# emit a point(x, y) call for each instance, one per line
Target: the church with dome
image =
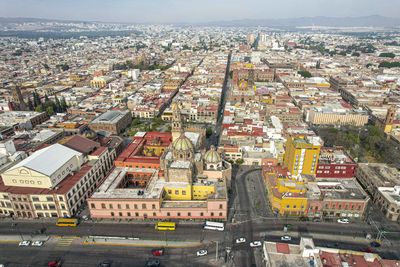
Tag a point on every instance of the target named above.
point(187, 162)
point(191, 182)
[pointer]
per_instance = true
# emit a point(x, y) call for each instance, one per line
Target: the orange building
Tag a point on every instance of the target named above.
point(145, 150)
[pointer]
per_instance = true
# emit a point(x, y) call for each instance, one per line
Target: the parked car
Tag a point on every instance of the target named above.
point(255, 244)
point(286, 238)
point(25, 243)
point(105, 263)
point(240, 240)
point(153, 263)
point(201, 252)
point(343, 220)
point(158, 252)
point(37, 243)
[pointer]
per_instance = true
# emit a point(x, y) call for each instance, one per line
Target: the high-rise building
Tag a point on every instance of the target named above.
point(302, 153)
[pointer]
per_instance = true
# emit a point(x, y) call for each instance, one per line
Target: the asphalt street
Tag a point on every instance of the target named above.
point(250, 217)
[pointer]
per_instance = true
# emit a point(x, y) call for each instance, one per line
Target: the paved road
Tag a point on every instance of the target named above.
point(77, 255)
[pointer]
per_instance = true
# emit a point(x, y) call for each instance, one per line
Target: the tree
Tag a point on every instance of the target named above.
point(239, 161)
point(50, 110)
point(63, 104)
point(39, 108)
point(30, 104)
point(58, 104)
point(46, 98)
point(36, 99)
point(389, 55)
point(209, 132)
point(305, 73)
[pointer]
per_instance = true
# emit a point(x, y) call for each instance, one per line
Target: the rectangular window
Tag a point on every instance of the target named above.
point(119, 206)
point(153, 206)
point(120, 214)
point(183, 192)
point(176, 192)
point(135, 206)
point(112, 214)
point(103, 206)
point(220, 206)
point(110, 206)
point(127, 206)
point(92, 205)
point(137, 214)
point(129, 214)
point(35, 199)
point(144, 206)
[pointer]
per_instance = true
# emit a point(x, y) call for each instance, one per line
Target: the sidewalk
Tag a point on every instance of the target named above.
point(118, 241)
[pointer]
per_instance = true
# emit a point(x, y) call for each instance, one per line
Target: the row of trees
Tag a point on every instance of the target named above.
point(366, 144)
point(49, 106)
point(389, 65)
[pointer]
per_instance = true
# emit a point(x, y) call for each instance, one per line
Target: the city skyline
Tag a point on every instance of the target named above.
point(178, 11)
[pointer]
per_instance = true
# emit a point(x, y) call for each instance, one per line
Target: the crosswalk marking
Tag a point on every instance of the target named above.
point(65, 241)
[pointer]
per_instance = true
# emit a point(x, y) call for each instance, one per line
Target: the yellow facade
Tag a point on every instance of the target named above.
point(286, 195)
point(301, 156)
point(153, 150)
point(188, 192)
point(181, 192)
point(201, 192)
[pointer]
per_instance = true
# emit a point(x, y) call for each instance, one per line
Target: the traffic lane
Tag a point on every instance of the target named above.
point(88, 255)
point(145, 231)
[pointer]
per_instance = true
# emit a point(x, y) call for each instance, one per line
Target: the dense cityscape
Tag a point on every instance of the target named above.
point(198, 145)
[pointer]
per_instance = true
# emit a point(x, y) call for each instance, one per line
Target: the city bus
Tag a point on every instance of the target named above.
point(165, 226)
point(67, 222)
point(218, 226)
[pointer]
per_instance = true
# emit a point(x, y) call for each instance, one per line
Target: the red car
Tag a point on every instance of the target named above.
point(157, 252)
point(54, 264)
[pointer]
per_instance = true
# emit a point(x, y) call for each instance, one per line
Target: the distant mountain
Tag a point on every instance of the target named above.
point(366, 21)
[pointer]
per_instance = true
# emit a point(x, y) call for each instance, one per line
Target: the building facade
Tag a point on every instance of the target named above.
point(302, 154)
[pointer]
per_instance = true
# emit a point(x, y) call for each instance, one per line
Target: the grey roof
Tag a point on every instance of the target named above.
point(111, 116)
point(48, 160)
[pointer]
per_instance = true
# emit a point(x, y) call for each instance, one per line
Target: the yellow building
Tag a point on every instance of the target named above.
point(286, 194)
point(301, 154)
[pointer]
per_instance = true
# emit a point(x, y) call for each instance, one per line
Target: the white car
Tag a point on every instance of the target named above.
point(343, 220)
point(24, 243)
point(201, 252)
point(240, 240)
point(37, 243)
point(255, 244)
point(286, 238)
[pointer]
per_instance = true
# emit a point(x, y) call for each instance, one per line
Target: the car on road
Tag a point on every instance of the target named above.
point(201, 252)
point(255, 244)
point(105, 263)
point(24, 243)
point(37, 243)
point(158, 252)
point(153, 263)
point(56, 263)
point(343, 220)
point(375, 244)
point(368, 250)
point(286, 238)
point(240, 240)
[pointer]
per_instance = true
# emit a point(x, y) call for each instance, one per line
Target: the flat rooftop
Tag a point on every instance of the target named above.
point(381, 174)
point(111, 116)
point(110, 188)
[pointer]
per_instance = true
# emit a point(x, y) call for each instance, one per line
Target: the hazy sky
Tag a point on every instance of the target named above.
point(193, 10)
